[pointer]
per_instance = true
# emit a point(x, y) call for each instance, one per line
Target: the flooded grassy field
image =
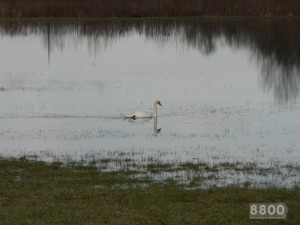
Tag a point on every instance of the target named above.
point(55, 193)
point(229, 92)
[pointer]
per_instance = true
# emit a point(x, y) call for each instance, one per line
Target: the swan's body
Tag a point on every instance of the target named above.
point(139, 114)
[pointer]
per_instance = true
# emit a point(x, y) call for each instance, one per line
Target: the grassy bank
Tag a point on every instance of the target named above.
point(38, 193)
point(146, 8)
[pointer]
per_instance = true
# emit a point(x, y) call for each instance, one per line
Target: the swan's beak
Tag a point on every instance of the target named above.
point(159, 103)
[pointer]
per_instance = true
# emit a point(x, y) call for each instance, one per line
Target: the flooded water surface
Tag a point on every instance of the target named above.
point(229, 94)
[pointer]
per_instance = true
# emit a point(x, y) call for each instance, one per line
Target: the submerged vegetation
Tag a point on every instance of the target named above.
point(146, 8)
point(39, 193)
point(189, 174)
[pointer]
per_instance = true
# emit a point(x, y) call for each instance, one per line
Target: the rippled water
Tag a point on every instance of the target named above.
point(230, 92)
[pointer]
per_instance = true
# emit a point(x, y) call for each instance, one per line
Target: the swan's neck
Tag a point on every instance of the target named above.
point(154, 110)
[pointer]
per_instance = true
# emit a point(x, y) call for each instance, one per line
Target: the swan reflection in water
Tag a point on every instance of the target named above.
point(146, 120)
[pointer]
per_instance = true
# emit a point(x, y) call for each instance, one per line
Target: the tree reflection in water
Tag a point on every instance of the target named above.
point(274, 44)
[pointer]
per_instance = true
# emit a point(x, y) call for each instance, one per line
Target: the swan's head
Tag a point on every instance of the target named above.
point(157, 102)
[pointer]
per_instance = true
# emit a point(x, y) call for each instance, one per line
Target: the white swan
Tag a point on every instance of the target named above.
point(139, 114)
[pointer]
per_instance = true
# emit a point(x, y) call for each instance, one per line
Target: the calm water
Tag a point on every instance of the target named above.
point(230, 92)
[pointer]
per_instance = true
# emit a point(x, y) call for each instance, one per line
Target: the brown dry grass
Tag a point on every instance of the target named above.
point(146, 8)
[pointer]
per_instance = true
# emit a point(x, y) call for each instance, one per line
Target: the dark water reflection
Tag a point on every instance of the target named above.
point(273, 44)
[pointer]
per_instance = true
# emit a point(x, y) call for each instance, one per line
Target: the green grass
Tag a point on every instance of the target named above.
point(39, 193)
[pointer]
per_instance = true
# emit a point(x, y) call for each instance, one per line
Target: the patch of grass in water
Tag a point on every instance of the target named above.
point(158, 167)
point(213, 169)
point(75, 194)
point(192, 166)
point(229, 165)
